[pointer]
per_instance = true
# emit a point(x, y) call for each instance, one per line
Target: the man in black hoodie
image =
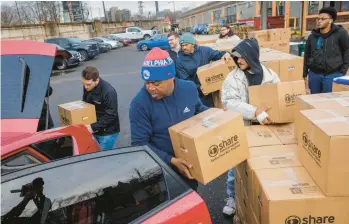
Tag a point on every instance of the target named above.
point(326, 53)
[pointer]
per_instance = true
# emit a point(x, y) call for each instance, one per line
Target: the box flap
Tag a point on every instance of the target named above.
point(333, 122)
point(208, 122)
point(273, 150)
point(75, 105)
point(327, 100)
point(290, 183)
point(258, 135)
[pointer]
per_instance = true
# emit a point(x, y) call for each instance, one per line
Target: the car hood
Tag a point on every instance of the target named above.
point(25, 74)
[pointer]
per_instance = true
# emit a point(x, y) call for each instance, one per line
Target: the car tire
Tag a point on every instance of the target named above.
point(84, 55)
point(147, 37)
point(144, 47)
point(109, 47)
point(61, 64)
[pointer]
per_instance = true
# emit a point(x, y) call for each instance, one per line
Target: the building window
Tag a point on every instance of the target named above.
point(345, 6)
point(216, 16)
point(313, 8)
point(249, 4)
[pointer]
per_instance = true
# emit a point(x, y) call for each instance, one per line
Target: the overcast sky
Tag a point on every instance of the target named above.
point(149, 6)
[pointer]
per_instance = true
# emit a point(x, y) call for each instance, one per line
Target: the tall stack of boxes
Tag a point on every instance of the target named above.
point(298, 173)
point(277, 39)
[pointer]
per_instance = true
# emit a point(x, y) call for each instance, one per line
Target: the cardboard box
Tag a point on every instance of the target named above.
point(261, 35)
point(291, 69)
point(273, 65)
point(202, 42)
point(212, 76)
point(217, 101)
point(289, 195)
point(274, 34)
point(261, 135)
point(285, 33)
point(77, 112)
point(274, 156)
point(285, 133)
point(339, 87)
point(280, 97)
point(266, 44)
point(231, 64)
point(323, 143)
point(282, 45)
point(322, 101)
point(208, 142)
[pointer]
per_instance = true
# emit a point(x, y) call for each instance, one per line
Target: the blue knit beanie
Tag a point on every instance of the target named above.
point(158, 66)
point(187, 38)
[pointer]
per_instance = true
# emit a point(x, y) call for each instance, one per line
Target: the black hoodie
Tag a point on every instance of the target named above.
point(333, 55)
point(249, 50)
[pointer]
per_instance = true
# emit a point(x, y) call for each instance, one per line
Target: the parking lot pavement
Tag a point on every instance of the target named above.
point(121, 68)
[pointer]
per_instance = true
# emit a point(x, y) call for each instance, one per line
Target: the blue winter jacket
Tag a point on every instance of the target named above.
point(187, 65)
point(150, 118)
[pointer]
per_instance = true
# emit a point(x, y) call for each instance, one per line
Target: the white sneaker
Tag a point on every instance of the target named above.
point(229, 208)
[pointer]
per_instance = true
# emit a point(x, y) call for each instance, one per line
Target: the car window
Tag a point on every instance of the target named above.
point(63, 42)
point(156, 37)
point(52, 41)
point(19, 161)
point(164, 36)
point(56, 148)
point(113, 189)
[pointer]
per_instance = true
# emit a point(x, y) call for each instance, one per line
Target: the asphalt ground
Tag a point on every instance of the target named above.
point(121, 68)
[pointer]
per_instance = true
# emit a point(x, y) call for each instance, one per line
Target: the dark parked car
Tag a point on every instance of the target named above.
point(124, 41)
point(87, 50)
point(65, 58)
point(130, 185)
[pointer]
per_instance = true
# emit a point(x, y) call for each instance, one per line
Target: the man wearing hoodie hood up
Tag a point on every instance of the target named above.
point(326, 54)
point(249, 72)
point(163, 102)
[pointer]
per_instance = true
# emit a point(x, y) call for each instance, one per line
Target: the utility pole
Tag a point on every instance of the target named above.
point(264, 15)
point(174, 11)
point(20, 19)
point(105, 14)
point(140, 11)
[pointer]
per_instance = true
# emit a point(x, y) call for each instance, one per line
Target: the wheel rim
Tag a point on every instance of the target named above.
point(62, 65)
point(83, 55)
point(147, 37)
point(144, 47)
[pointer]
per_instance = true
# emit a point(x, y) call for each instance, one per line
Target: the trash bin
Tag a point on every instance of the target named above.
point(301, 48)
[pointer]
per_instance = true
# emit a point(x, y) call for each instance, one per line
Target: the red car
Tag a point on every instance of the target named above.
point(126, 185)
point(25, 73)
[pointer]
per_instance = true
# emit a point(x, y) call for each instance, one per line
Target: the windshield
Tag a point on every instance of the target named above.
point(74, 40)
point(156, 37)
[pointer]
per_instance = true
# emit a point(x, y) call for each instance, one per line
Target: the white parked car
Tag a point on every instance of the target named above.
point(135, 33)
point(114, 44)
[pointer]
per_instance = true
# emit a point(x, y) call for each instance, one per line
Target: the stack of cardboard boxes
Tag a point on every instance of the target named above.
point(286, 182)
point(289, 67)
point(277, 39)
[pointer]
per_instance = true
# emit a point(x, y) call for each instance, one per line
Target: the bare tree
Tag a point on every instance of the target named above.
point(8, 15)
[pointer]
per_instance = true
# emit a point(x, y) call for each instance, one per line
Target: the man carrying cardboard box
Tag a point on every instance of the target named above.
point(326, 54)
point(100, 93)
point(191, 57)
point(163, 102)
point(249, 72)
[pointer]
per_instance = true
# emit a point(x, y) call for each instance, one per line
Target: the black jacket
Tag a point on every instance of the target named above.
point(42, 120)
point(332, 57)
point(105, 99)
point(173, 55)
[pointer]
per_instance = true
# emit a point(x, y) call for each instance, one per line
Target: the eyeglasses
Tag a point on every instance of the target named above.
point(322, 19)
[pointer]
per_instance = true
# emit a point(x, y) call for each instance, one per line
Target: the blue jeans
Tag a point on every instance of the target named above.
point(319, 83)
point(231, 184)
point(106, 142)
